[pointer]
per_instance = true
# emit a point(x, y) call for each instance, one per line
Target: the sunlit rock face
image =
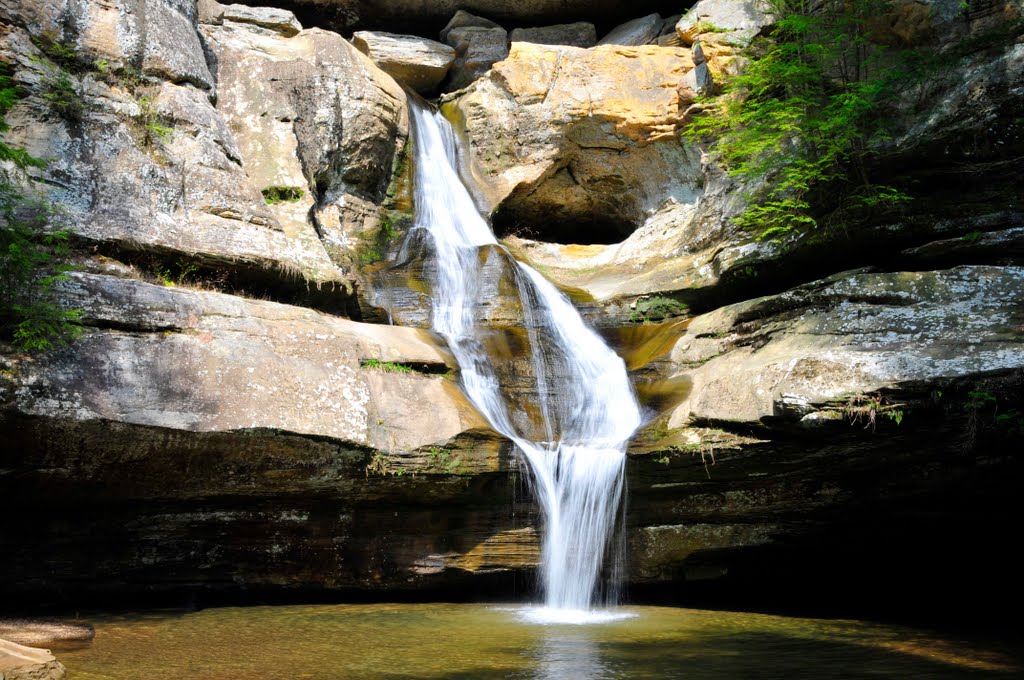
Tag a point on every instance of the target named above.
point(193, 124)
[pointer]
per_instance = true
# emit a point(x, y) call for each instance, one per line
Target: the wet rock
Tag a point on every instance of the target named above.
point(476, 49)
point(18, 662)
point(579, 34)
point(419, 63)
point(277, 20)
point(635, 32)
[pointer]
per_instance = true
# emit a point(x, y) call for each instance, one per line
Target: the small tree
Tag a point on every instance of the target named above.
point(805, 114)
point(30, 252)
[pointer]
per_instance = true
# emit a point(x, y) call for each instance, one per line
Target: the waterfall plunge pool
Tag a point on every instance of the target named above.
point(477, 641)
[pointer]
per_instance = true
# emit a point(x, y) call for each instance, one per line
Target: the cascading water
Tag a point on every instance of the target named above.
point(587, 408)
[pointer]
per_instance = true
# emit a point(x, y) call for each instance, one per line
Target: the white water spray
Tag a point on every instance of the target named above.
point(586, 404)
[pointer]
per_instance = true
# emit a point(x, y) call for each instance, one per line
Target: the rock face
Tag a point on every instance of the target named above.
point(275, 129)
point(315, 119)
point(419, 63)
point(18, 662)
point(241, 400)
point(191, 364)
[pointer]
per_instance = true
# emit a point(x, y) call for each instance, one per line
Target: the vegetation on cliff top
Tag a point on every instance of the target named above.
point(31, 251)
point(802, 120)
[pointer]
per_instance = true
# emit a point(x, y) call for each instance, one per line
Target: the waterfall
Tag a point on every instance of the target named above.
point(586, 406)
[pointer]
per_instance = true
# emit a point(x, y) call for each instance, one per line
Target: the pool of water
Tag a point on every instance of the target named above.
point(450, 641)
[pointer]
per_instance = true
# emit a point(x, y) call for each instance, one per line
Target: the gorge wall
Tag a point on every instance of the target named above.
point(238, 417)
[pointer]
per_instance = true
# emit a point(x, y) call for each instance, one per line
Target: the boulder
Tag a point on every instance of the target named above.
point(579, 138)
point(18, 662)
point(208, 362)
point(316, 120)
point(39, 633)
point(639, 31)
point(462, 19)
point(274, 19)
point(419, 63)
point(739, 21)
point(792, 355)
point(476, 49)
point(579, 34)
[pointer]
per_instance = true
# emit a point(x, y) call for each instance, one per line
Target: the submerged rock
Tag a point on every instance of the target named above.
point(419, 63)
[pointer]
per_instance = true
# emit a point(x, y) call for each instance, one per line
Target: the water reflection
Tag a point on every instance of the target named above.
point(568, 653)
point(463, 642)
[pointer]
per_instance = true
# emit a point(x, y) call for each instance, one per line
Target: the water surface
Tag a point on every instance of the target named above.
point(449, 641)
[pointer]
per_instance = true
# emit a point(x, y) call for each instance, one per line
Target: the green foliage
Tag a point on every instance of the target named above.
point(156, 128)
point(61, 93)
point(176, 274)
point(31, 251)
point(993, 409)
point(866, 409)
point(656, 308)
point(443, 460)
point(386, 366)
point(802, 120)
point(273, 195)
point(380, 466)
point(387, 234)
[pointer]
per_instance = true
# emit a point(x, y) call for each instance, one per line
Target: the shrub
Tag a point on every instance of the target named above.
point(804, 117)
point(31, 253)
point(274, 195)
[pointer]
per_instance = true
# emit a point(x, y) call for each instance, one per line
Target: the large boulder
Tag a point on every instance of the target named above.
point(639, 31)
point(277, 20)
point(799, 354)
point(202, 362)
point(565, 123)
point(476, 49)
point(579, 34)
point(18, 662)
point(739, 22)
point(315, 121)
point(419, 63)
point(462, 19)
